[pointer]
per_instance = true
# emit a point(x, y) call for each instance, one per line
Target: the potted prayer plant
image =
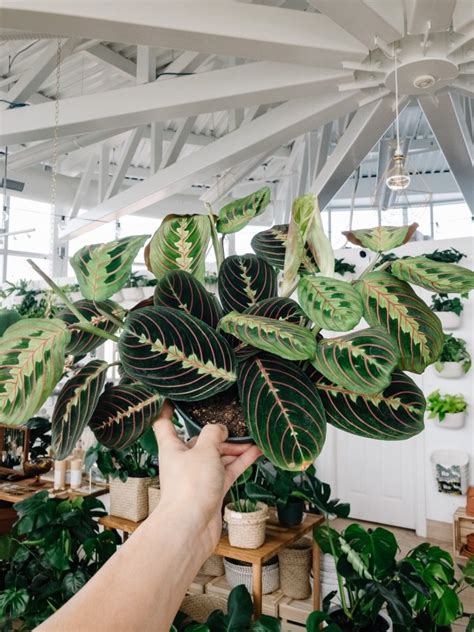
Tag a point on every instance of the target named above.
point(455, 360)
point(448, 411)
point(449, 310)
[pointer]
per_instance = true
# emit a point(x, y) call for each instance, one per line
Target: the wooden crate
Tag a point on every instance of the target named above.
point(295, 610)
point(270, 603)
point(463, 525)
point(288, 626)
point(198, 585)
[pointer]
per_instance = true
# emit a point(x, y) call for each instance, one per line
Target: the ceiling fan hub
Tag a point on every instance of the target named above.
point(422, 75)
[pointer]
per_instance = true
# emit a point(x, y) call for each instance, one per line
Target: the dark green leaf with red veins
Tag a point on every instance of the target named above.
point(435, 276)
point(103, 269)
point(237, 214)
point(282, 338)
point(283, 411)
point(176, 354)
point(83, 342)
point(393, 305)
point(381, 238)
point(279, 308)
point(270, 245)
point(395, 414)
point(8, 317)
point(123, 413)
point(362, 361)
point(181, 290)
point(74, 407)
point(244, 281)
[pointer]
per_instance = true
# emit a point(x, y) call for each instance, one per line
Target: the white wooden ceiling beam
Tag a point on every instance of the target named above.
point(117, 62)
point(156, 145)
point(128, 151)
point(272, 129)
point(103, 179)
point(83, 185)
point(323, 148)
point(178, 142)
point(224, 27)
point(239, 86)
point(146, 64)
point(429, 15)
point(463, 16)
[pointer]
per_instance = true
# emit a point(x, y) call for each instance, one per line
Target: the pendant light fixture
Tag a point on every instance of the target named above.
point(397, 177)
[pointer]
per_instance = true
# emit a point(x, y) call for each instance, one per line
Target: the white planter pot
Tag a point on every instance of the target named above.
point(453, 421)
point(75, 296)
point(118, 296)
point(449, 320)
point(147, 291)
point(451, 370)
point(132, 294)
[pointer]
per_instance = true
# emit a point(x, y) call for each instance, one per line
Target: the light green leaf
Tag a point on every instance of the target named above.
point(270, 245)
point(320, 244)
point(300, 222)
point(381, 238)
point(330, 303)
point(237, 214)
point(435, 276)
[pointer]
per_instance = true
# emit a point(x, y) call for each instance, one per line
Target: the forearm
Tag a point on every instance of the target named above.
point(143, 584)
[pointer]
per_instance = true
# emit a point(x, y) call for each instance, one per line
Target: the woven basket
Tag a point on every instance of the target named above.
point(246, 530)
point(240, 573)
point(295, 567)
point(154, 494)
point(213, 566)
point(130, 499)
point(199, 607)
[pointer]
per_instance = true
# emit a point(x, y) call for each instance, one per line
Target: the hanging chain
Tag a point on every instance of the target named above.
point(54, 167)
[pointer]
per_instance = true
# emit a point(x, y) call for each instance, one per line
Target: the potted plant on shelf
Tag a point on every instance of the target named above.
point(245, 518)
point(455, 360)
point(448, 411)
point(449, 310)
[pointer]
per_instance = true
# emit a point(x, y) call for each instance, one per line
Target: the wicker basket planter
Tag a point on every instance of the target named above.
point(130, 499)
point(213, 566)
point(154, 495)
point(241, 573)
point(295, 567)
point(246, 529)
point(199, 607)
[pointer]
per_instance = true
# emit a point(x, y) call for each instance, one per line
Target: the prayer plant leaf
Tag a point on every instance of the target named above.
point(330, 303)
point(270, 245)
point(180, 243)
point(103, 269)
point(237, 214)
point(8, 317)
point(392, 304)
point(180, 356)
point(245, 281)
point(181, 290)
point(362, 361)
point(381, 238)
point(434, 276)
point(31, 364)
point(123, 413)
point(75, 404)
point(283, 411)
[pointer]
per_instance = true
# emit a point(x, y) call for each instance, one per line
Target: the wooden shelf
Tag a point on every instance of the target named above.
point(463, 525)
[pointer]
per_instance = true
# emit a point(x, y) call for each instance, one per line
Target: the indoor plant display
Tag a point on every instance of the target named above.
point(448, 310)
point(455, 360)
point(449, 411)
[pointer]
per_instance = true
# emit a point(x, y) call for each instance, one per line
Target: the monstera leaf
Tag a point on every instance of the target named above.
point(395, 414)
point(362, 361)
point(179, 355)
point(180, 243)
point(381, 238)
point(393, 305)
point(435, 276)
point(283, 411)
point(123, 413)
point(271, 245)
point(74, 407)
point(330, 303)
point(282, 338)
point(181, 290)
point(237, 214)
point(31, 363)
point(103, 269)
point(244, 281)
point(81, 341)
point(8, 317)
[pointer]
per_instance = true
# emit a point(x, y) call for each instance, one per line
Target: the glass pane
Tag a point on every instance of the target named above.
point(452, 220)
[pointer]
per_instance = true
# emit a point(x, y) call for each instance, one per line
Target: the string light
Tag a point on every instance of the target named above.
point(397, 178)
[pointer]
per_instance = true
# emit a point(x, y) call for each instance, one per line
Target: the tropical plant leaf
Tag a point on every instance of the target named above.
point(244, 281)
point(319, 243)
point(381, 238)
point(83, 342)
point(103, 269)
point(181, 290)
point(330, 303)
point(180, 243)
point(435, 276)
point(237, 214)
point(123, 413)
point(8, 317)
point(74, 407)
point(282, 338)
point(393, 305)
point(283, 411)
point(31, 363)
point(362, 361)
point(300, 223)
point(279, 308)
point(270, 245)
point(179, 355)
point(395, 414)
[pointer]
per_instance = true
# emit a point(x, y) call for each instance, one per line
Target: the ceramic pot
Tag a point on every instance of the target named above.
point(450, 370)
point(291, 514)
point(453, 421)
point(449, 320)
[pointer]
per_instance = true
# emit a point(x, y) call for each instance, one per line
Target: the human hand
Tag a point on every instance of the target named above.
point(195, 477)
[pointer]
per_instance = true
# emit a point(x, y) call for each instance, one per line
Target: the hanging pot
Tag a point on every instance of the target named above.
point(291, 514)
point(449, 320)
point(450, 370)
point(453, 421)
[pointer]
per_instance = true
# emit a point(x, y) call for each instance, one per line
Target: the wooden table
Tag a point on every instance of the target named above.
point(276, 539)
point(28, 487)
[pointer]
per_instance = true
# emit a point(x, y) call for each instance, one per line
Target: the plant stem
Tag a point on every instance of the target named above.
point(216, 243)
point(110, 316)
point(347, 612)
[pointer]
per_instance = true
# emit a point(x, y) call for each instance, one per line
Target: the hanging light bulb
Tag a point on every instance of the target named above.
point(397, 178)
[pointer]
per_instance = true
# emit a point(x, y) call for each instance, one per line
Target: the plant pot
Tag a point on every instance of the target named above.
point(194, 429)
point(384, 624)
point(246, 529)
point(449, 320)
point(129, 500)
point(117, 297)
point(295, 567)
point(147, 291)
point(450, 370)
point(199, 607)
point(291, 514)
point(75, 296)
point(132, 294)
point(213, 566)
point(452, 421)
point(238, 573)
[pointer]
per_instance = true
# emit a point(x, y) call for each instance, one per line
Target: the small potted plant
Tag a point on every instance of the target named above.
point(455, 360)
point(245, 518)
point(344, 269)
point(450, 255)
point(448, 411)
point(448, 310)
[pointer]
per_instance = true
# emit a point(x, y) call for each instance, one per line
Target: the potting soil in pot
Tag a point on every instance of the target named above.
point(223, 408)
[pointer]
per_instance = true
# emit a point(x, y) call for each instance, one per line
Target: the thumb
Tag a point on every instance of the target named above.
point(212, 435)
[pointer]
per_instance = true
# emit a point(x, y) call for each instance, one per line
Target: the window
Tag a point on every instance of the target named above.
point(452, 220)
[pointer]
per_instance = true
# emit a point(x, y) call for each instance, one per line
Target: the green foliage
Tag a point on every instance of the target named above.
point(342, 267)
point(8, 317)
point(381, 238)
point(440, 405)
point(434, 275)
point(137, 460)
point(454, 350)
point(442, 303)
point(450, 255)
point(238, 213)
